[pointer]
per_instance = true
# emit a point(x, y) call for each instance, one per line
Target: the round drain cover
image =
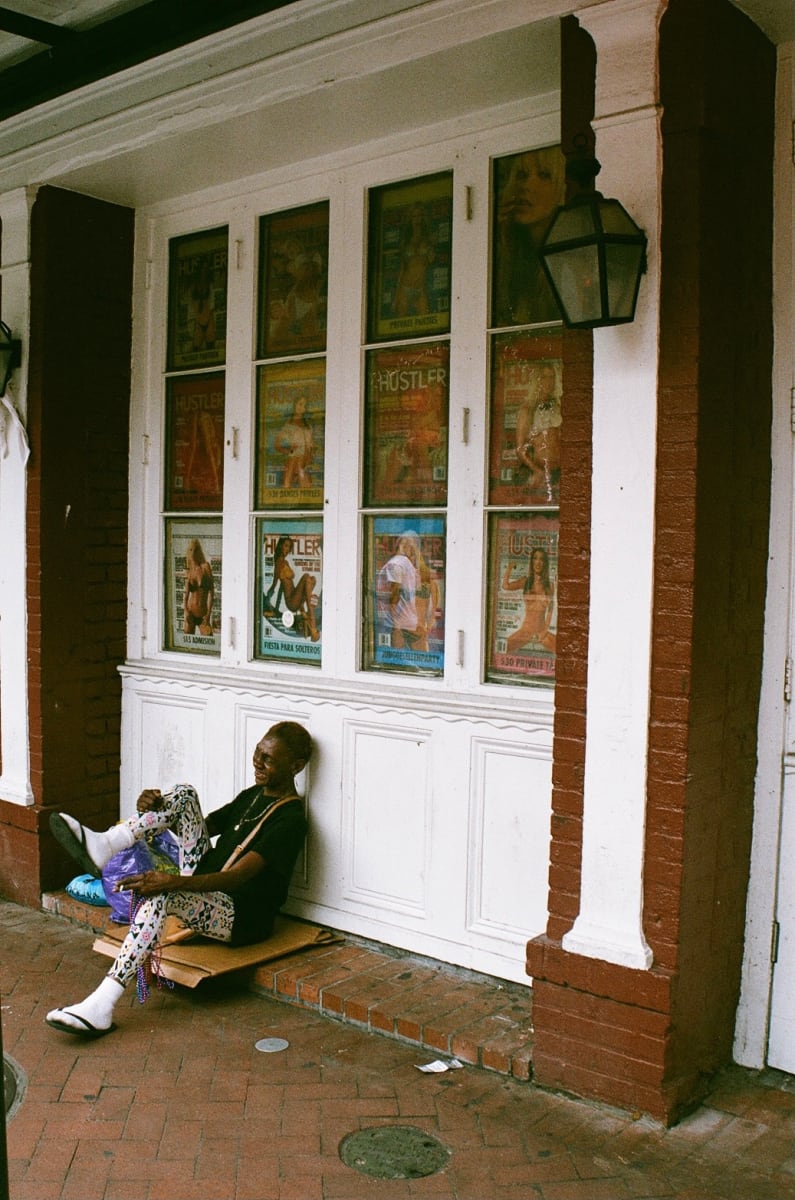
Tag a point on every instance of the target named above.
point(271, 1045)
point(393, 1152)
point(9, 1084)
point(14, 1083)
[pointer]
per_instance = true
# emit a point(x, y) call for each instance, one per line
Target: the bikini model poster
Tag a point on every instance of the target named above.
point(410, 240)
point(193, 548)
point(404, 594)
point(525, 418)
point(289, 589)
point(194, 443)
point(291, 414)
point(406, 418)
point(197, 271)
point(293, 281)
point(522, 603)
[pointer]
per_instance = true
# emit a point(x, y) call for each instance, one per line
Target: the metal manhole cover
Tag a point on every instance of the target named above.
point(13, 1086)
point(393, 1152)
point(271, 1045)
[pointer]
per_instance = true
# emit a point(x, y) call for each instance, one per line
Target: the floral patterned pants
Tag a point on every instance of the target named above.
point(209, 913)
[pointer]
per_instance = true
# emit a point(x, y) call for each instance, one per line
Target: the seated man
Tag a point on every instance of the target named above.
point(230, 892)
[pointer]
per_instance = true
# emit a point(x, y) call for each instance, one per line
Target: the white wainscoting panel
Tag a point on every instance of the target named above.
point(427, 831)
point(510, 809)
point(386, 817)
point(172, 743)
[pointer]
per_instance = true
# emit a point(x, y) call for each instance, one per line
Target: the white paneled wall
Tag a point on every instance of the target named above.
point(510, 787)
point(386, 817)
point(427, 831)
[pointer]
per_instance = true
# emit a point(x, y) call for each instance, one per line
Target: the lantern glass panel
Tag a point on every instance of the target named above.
point(571, 224)
point(575, 276)
point(623, 273)
point(616, 219)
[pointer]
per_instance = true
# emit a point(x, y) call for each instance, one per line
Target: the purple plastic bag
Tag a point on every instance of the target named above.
point(134, 861)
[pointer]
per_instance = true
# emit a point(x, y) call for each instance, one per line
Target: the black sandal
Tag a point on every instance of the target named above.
point(90, 1030)
point(63, 834)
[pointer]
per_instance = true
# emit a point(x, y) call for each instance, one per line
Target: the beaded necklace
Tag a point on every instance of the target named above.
point(248, 814)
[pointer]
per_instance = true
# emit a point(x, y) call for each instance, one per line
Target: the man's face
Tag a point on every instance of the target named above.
point(274, 766)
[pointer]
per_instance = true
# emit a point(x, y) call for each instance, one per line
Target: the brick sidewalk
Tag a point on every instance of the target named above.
point(483, 1021)
point(178, 1104)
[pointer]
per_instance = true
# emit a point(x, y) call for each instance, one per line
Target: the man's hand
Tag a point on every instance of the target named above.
point(150, 800)
point(149, 883)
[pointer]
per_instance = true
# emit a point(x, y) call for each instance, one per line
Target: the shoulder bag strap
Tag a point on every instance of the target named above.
point(238, 850)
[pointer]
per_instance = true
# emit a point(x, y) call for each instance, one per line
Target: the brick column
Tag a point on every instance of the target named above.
point(76, 575)
point(650, 1039)
point(608, 924)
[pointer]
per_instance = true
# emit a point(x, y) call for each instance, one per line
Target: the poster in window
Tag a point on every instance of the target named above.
point(290, 588)
point(193, 585)
point(528, 188)
point(410, 244)
point(291, 416)
point(293, 281)
point(195, 442)
point(404, 594)
point(523, 611)
point(406, 408)
point(197, 300)
point(526, 418)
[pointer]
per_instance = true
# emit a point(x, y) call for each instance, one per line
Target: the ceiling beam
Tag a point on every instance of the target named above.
point(156, 27)
point(34, 30)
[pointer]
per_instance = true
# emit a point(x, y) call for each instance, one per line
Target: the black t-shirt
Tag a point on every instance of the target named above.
point(278, 842)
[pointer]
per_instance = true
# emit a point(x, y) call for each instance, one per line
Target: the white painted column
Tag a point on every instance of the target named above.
point(609, 924)
point(14, 729)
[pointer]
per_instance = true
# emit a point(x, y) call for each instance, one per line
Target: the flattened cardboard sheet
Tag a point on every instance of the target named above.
point(189, 962)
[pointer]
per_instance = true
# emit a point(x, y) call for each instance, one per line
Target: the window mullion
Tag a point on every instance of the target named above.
point(238, 441)
point(468, 391)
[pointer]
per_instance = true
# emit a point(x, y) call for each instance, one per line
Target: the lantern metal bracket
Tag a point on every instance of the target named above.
point(593, 253)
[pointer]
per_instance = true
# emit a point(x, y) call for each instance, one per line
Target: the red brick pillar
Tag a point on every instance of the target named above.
point(78, 419)
point(651, 1039)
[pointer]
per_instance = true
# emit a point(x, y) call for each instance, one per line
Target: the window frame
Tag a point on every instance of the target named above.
point(463, 683)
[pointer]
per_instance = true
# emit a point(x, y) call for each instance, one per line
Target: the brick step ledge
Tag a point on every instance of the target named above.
point(446, 1010)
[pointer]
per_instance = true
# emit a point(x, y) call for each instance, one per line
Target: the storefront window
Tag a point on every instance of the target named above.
point(522, 617)
point(528, 187)
point(291, 417)
point(293, 281)
point(290, 587)
point(405, 438)
point(194, 441)
point(193, 585)
point(410, 245)
point(289, 453)
point(406, 409)
point(194, 474)
point(525, 422)
point(390, 441)
point(197, 300)
point(404, 591)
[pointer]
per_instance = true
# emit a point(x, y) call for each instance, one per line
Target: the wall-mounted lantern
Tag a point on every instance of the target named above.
point(10, 356)
point(593, 255)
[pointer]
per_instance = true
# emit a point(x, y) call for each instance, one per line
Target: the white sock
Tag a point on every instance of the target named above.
point(96, 1009)
point(102, 846)
point(120, 836)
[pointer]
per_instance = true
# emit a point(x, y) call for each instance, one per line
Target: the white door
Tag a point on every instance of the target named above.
point(781, 1024)
point(781, 1037)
